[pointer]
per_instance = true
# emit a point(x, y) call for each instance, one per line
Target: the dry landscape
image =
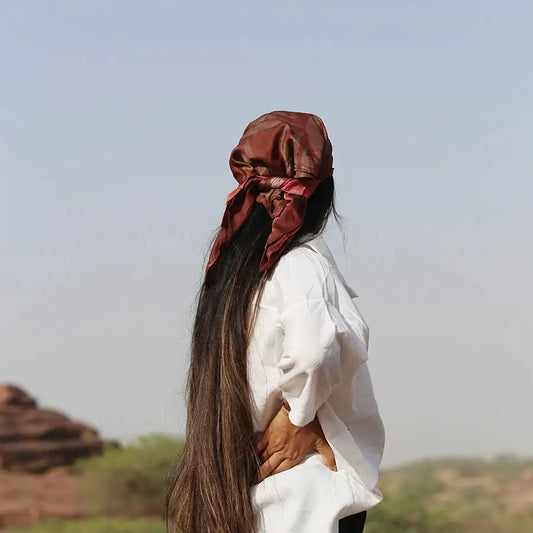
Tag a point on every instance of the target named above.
point(64, 478)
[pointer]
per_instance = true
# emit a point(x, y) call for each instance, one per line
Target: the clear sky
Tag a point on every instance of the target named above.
point(116, 124)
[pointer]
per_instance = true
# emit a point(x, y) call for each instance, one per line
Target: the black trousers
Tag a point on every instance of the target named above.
point(354, 523)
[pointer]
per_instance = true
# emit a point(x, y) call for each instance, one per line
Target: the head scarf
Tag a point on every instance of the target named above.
point(281, 158)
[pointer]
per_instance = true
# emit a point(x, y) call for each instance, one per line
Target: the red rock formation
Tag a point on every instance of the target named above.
point(35, 440)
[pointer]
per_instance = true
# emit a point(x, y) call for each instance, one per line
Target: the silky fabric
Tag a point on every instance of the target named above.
point(279, 161)
point(309, 345)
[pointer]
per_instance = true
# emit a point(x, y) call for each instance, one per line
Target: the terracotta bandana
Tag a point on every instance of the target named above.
point(280, 160)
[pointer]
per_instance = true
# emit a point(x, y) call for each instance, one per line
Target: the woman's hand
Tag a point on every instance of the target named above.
point(283, 445)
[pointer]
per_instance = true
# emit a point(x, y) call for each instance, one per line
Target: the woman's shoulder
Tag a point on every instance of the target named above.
point(300, 274)
point(310, 267)
point(302, 263)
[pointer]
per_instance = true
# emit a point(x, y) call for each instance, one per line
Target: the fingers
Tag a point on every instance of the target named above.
point(324, 449)
point(265, 455)
point(262, 444)
point(262, 448)
point(277, 463)
point(284, 465)
point(270, 465)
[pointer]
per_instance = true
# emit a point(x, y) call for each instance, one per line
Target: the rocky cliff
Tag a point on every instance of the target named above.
point(33, 439)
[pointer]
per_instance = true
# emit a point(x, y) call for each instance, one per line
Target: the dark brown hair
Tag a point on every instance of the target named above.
point(209, 486)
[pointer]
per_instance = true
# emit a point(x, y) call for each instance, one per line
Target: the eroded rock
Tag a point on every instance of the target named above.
point(34, 439)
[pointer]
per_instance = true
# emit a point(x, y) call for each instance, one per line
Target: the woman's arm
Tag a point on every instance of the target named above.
point(311, 358)
point(310, 365)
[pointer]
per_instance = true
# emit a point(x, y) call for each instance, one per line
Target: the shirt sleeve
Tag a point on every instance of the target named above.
point(310, 361)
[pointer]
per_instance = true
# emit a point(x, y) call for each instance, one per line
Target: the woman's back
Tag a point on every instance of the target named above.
point(309, 345)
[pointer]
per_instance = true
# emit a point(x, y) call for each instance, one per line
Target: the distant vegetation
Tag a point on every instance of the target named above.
point(130, 481)
point(448, 495)
point(95, 525)
point(456, 495)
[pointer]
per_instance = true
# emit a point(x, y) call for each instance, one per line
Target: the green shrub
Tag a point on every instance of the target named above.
point(95, 525)
point(472, 496)
point(506, 467)
point(400, 512)
point(130, 481)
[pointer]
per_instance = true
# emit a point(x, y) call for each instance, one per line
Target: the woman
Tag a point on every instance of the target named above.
point(283, 432)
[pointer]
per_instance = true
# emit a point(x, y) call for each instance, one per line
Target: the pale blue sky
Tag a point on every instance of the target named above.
point(116, 124)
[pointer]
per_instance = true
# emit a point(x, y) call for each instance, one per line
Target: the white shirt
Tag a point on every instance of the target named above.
point(309, 344)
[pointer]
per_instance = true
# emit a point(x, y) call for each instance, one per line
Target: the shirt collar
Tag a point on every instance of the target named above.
point(318, 244)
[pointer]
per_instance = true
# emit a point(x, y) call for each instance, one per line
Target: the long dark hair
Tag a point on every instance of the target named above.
point(209, 487)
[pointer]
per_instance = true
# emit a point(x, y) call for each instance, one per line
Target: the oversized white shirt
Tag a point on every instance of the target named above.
point(310, 345)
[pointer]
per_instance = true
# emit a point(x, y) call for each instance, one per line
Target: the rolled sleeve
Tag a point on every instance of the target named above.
point(310, 362)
